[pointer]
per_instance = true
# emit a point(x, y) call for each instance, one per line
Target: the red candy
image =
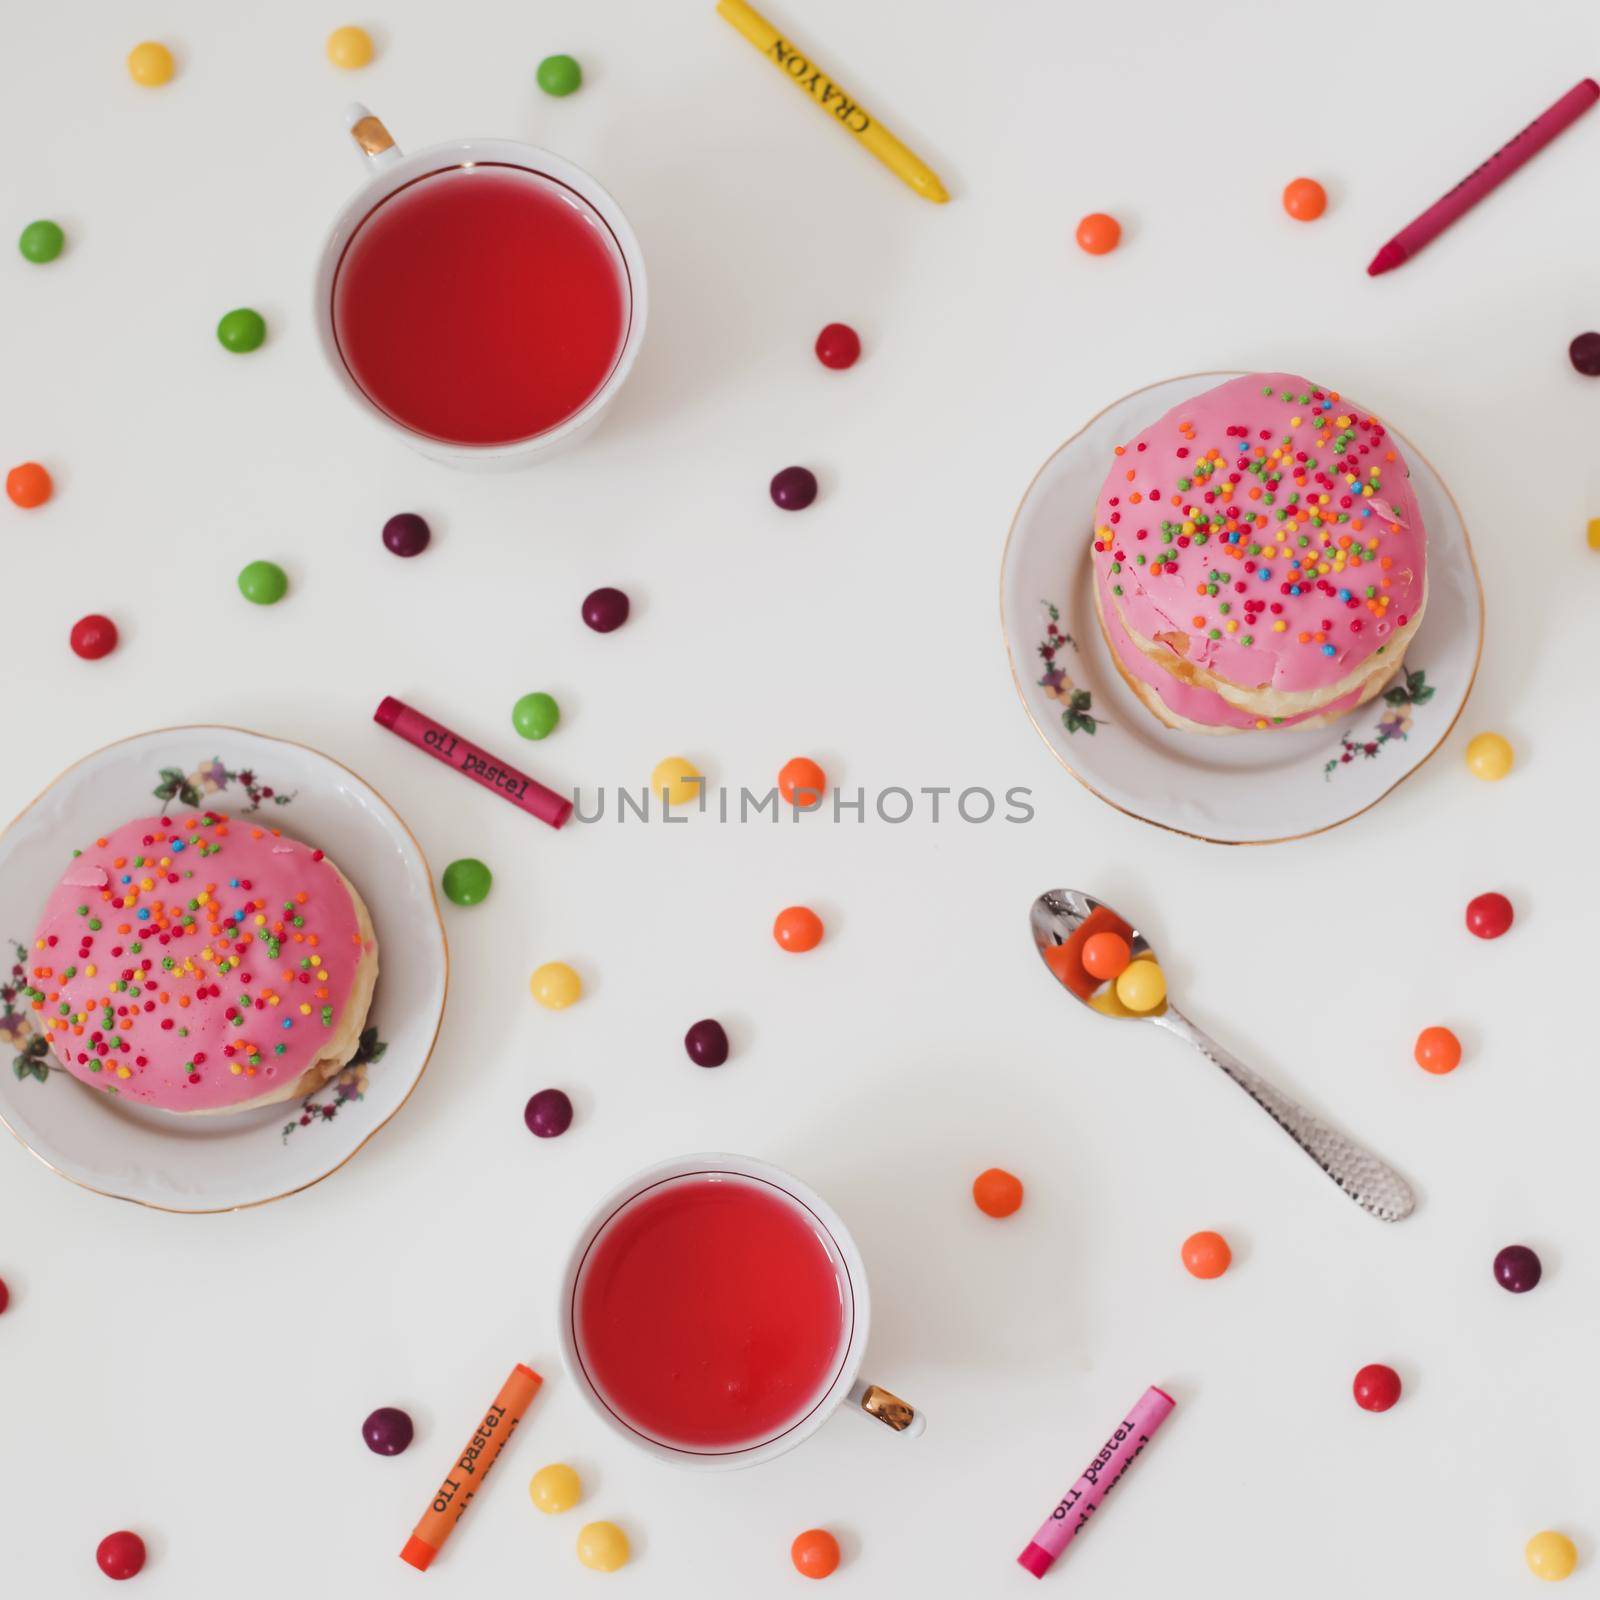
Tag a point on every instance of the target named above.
point(838, 346)
point(1489, 915)
point(1376, 1387)
point(121, 1555)
point(93, 636)
point(28, 485)
point(5, 1295)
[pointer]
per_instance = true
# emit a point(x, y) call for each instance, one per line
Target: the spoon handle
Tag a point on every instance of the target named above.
point(1372, 1184)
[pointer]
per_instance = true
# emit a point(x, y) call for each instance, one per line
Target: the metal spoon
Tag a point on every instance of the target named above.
point(1374, 1186)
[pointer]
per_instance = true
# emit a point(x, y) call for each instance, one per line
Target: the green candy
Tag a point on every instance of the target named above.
point(535, 716)
point(242, 331)
point(559, 75)
point(41, 241)
point(467, 881)
point(263, 583)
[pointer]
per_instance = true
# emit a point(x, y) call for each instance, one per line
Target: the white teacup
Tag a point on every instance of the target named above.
point(846, 1387)
point(390, 171)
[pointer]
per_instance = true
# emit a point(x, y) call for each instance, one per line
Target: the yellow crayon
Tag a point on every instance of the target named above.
point(848, 113)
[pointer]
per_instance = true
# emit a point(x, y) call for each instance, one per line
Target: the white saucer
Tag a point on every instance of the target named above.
point(220, 1163)
point(1251, 788)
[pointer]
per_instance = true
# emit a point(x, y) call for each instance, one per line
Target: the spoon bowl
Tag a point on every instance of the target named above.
point(1063, 920)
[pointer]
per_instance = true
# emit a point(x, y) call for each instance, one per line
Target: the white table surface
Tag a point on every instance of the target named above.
point(202, 1379)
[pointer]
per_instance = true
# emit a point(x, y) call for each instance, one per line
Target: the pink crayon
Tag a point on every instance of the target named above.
point(1484, 179)
point(1099, 1478)
point(476, 763)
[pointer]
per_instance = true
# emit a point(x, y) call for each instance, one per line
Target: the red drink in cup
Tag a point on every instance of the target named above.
point(714, 1313)
point(485, 299)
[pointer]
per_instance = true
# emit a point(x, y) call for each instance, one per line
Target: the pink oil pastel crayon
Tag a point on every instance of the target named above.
point(1484, 179)
point(1099, 1478)
point(462, 754)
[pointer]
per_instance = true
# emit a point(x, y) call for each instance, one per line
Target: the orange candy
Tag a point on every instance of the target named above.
point(1105, 955)
point(28, 485)
point(1099, 234)
point(801, 782)
point(1305, 199)
point(1437, 1050)
point(815, 1553)
point(1206, 1255)
point(997, 1192)
point(798, 928)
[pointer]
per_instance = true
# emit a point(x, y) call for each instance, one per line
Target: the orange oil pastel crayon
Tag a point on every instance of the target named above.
point(471, 1467)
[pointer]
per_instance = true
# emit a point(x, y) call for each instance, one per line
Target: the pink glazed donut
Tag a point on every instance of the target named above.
point(1263, 541)
point(202, 965)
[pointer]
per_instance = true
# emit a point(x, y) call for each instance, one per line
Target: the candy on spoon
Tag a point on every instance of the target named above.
point(1062, 920)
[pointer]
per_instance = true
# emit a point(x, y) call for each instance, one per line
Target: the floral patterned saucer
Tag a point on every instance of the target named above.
point(221, 1163)
point(1242, 789)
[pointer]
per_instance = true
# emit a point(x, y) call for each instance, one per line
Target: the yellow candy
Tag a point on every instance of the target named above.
point(1550, 1556)
point(602, 1546)
point(1594, 533)
point(349, 48)
point(679, 778)
point(150, 64)
point(555, 985)
point(555, 1488)
point(1489, 757)
point(1141, 986)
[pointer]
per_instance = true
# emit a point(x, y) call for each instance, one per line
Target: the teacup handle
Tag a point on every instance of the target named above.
point(374, 140)
point(886, 1408)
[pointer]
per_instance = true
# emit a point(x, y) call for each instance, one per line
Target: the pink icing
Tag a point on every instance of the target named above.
point(1204, 706)
point(1214, 473)
point(153, 973)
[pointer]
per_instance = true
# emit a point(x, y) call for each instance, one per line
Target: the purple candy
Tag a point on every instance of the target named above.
point(605, 610)
point(406, 534)
point(1517, 1268)
point(707, 1043)
point(387, 1431)
point(548, 1113)
point(1584, 353)
point(794, 488)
